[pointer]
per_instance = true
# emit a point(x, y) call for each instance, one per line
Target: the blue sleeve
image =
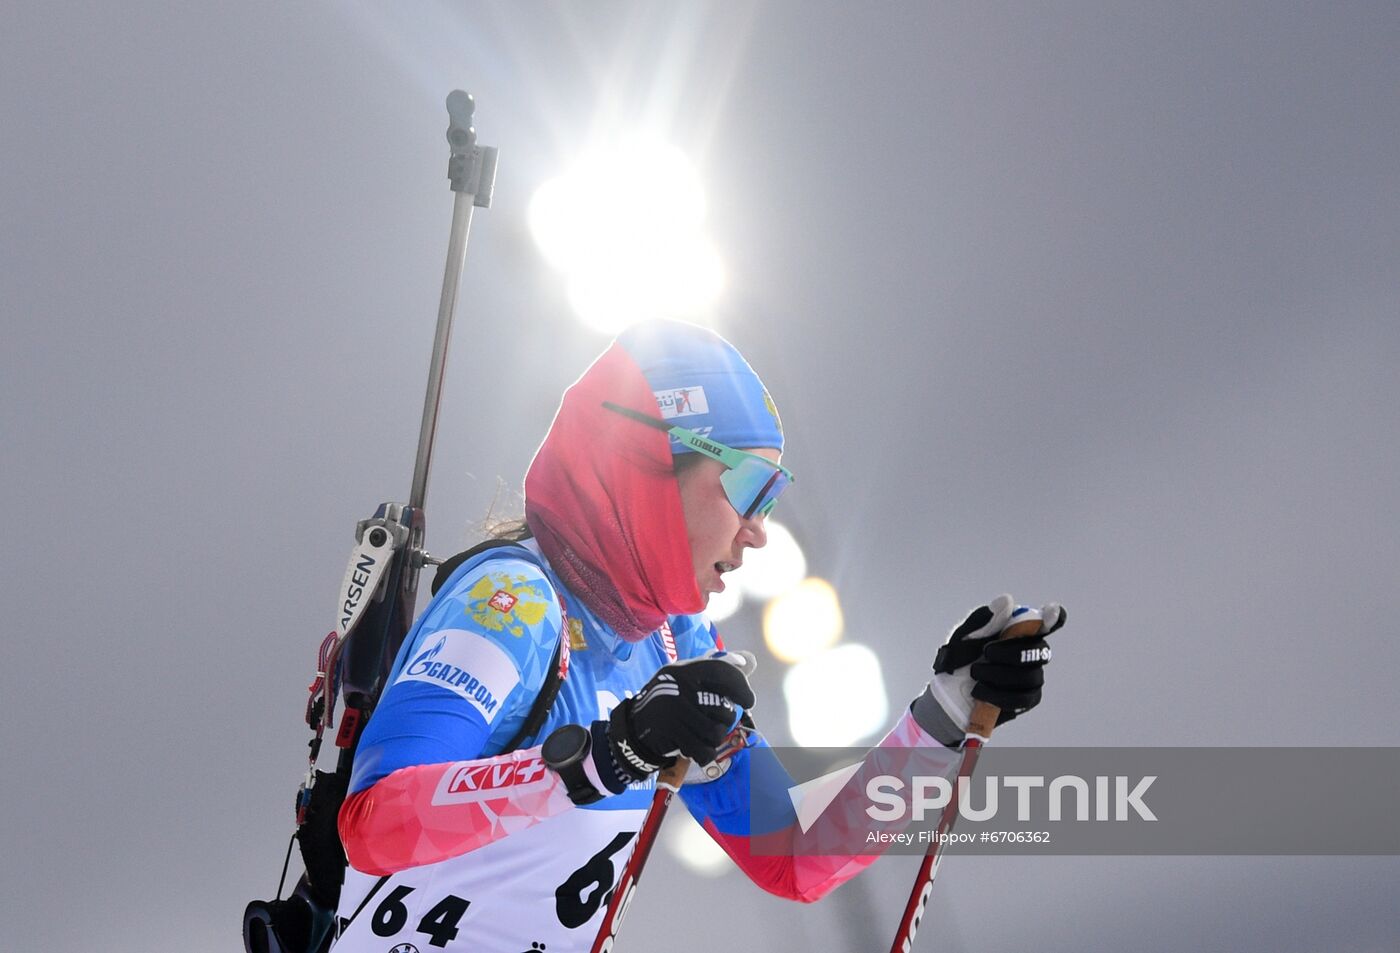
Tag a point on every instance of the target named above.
point(467, 673)
point(750, 798)
point(753, 794)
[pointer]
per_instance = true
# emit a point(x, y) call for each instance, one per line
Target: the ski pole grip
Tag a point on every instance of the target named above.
point(985, 714)
point(674, 776)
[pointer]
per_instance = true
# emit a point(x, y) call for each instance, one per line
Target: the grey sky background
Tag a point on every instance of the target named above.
point(1091, 302)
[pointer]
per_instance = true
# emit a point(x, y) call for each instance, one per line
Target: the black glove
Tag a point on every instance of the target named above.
point(974, 665)
point(686, 710)
point(1007, 672)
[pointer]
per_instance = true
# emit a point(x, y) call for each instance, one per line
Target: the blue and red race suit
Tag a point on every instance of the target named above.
point(455, 845)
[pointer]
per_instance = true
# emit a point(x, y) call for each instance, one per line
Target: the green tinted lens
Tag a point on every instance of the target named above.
point(753, 486)
point(751, 483)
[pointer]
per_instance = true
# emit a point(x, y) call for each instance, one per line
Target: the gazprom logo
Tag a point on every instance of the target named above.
point(427, 668)
point(419, 665)
point(681, 402)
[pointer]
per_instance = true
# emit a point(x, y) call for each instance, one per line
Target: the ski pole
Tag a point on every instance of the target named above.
point(668, 782)
point(979, 731)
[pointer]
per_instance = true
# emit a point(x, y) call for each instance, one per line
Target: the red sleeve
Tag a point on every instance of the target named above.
point(427, 813)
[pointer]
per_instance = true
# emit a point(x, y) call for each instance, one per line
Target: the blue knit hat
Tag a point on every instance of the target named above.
point(701, 382)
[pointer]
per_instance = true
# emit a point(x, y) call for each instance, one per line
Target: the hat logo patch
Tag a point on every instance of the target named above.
point(681, 402)
point(773, 410)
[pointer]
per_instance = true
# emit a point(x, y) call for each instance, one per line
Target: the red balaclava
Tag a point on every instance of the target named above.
point(601, 496)
point(602, 500)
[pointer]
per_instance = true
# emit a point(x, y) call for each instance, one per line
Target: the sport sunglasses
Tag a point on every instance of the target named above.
point(751, 483)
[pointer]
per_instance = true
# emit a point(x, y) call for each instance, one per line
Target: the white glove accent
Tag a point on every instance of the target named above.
point(742, 659)
point(953, 690)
